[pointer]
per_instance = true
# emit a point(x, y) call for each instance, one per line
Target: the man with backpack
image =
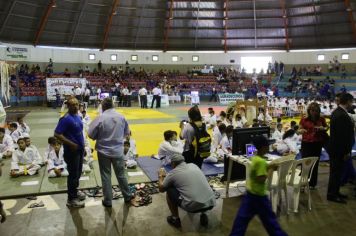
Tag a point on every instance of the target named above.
point(197, 140)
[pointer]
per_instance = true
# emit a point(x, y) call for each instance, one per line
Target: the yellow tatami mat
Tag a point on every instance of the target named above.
point(135, 114)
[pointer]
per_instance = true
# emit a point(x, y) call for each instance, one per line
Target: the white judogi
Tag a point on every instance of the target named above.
point(25, 129)
point(15, 135)
point(56, 162)
point(37, 153)
point(46, 154)
point(286, 145)
point(25, 162)
point(130, 159)
point(277, 135)
point(168, 149)
point(133, 146)
point(6, 145)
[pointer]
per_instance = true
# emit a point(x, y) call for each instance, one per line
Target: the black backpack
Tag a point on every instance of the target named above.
point(201, 141)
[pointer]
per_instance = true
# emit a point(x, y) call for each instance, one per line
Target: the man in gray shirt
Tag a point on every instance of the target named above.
point(188, 188)
point(109, 130)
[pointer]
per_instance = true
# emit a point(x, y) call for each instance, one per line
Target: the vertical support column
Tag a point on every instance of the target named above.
point(226, 18)
point(285, 21)
point(351, 18)
point(166, 31)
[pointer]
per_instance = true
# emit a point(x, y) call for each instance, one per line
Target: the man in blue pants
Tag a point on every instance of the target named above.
point(70, 132)
point(255, 201)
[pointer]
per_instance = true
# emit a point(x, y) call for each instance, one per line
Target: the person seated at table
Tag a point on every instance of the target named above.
point(169, 147)
point(6, 145)
point(287, 145)
point(255, 123)
point(129, 156)
point(278, 133)
point(22, 126)
point(14, 132)
point(255, 201)
point(24, 160)
point(239, 121)
point(56, 166)
point(132, 144)
point(36, 152)
point(210, 118)
point(187, 188)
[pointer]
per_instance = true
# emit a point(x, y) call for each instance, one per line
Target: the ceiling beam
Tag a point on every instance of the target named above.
point(316, 24)
point(44, 21)
point(139, 22)
point(226, 18)
point(196, 27)
point(255, 21)
point(351, 18)
point(108, 24)
point(168, 27)
point(82, 5)
point(285, 21)
point(11, 8)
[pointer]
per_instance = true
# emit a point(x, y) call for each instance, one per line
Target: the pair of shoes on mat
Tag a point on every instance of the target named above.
point(174, 221)
point(75, 203)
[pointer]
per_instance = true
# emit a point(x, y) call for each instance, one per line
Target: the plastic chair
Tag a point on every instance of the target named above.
point(297, 181)
point(278, 182)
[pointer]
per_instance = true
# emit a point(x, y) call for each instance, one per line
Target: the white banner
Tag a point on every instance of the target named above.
point(226, 98)
point(16, 53)
point(64, 86)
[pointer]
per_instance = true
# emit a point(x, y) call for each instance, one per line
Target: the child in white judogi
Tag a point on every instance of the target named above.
point(86, 120)
point(129, 156)
point(24, 160)
point(88, 158)
point(14, 132)
point(56, 166)
point(37, 153)
point(169, 147)
point(22, 126)
point(6, 144)
point(215, 152)
point(132, 144)
point(51, 141)
point(278, 133)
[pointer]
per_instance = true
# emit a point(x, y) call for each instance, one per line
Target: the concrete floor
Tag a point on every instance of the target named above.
point(56, 219)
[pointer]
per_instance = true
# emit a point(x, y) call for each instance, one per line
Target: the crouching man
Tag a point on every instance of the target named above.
point(187, 188)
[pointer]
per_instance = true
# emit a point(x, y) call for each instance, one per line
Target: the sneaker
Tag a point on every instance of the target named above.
point(75, 203)
point(81, 196)
point(174, 221)
point(204, 220)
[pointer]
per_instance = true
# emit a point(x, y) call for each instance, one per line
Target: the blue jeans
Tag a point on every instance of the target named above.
point(252, 205)
point(74, 162)
point(105, 173)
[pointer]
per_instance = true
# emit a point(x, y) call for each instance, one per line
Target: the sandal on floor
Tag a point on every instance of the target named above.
point(36, 204)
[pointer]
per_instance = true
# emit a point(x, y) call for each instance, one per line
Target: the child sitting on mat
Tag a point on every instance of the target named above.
point(24, 160)
point(56, 165)
point(255, 200)
point(14, 132)
point(6, 145)
point(169, 147)
point(129, 157)
point(29, 144)
point(51, 141)
point(132, 144)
